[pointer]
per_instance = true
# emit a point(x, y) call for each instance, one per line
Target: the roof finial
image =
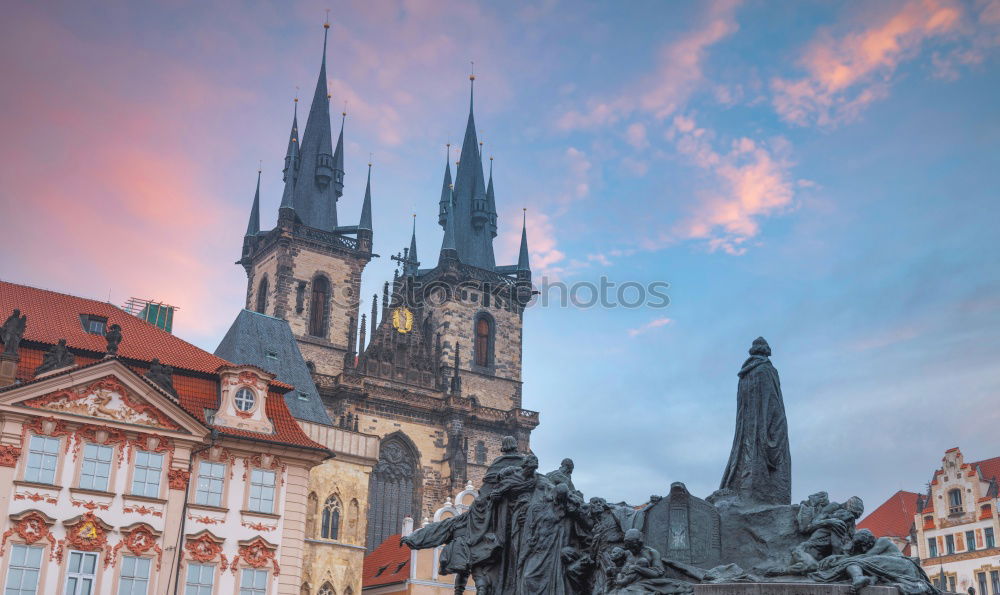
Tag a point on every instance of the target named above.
point(343, 114)
point(472, 84)
point(371, 159)
point(326, 25)
point(260, 166)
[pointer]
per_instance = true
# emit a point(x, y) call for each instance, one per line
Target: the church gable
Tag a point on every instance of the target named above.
point(105, 398)
point(108, 391)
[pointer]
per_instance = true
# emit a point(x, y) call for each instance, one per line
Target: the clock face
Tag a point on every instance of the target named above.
point(402, 320)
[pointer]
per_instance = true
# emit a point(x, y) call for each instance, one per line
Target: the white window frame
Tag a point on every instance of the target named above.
point(147, 469)
point(39, 447)
point(240, 400)
point(254, 574)
point(205, 491)
point(79, 576)
point(198, 588)
point(22, 550)
point(94, 455)
point(258, 489)
point(133, 577)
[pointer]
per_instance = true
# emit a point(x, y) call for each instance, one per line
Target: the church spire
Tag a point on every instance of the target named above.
point(366, 207)
point(411, 256)
point(291, 161)
point(448, 249)
point(522, 256)
point(491, 203)
point(338, 158)
point(445, 189)
point(253, 226)
point(315, 195)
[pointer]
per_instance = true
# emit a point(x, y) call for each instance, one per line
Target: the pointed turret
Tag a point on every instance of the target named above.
point(315, 195)
point(366, 206)
point(448, 243)
point(290, 173)
point(491, 203)
point(411, 257)
point(253, 225)
point(522, 256)
point(338, 159)
point(473, 238)
point(445, 189)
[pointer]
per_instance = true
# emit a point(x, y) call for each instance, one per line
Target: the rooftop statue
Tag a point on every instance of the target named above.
point(12, 331)
point(114, 337)
point(58, 356)
point(760, 464)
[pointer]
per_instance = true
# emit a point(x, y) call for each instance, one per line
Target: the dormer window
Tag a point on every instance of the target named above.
point(245, 399)
point(95, 325)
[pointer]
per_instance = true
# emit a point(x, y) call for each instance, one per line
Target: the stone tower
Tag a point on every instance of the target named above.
point(435, 373)
point(439, 376)
point(307, 270)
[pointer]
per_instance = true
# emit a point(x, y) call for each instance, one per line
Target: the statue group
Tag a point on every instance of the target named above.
point(530, 533)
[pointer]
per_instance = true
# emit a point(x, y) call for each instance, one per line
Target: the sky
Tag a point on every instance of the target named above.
point(823, 174)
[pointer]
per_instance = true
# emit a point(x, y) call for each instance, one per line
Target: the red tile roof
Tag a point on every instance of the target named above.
point(894, 517)
point(387, 564)
point(990, 468)
point(53, 316)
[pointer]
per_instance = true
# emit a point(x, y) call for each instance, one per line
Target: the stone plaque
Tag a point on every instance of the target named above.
point(684, 528)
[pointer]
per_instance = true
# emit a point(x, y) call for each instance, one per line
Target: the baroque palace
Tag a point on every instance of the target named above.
point(137, 463)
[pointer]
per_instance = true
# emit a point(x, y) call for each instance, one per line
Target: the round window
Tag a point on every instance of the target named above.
point(245, 399)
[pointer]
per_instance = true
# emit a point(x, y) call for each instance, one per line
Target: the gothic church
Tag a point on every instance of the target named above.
point(413, 397)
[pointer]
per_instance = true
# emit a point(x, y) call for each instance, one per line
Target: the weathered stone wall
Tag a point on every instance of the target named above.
point(339, 561)
point(289, 263)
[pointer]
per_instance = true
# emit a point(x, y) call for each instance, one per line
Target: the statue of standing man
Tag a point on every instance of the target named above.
point(760, 464)
point(12, 331)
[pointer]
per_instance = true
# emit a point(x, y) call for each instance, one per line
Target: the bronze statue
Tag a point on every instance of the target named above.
point(114, 337)
point(760, 464)
point(870, 561)
point(564, 474)
point(12, 331)
point(58, 356)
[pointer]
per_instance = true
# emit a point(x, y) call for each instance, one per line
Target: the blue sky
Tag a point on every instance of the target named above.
point(822, 174)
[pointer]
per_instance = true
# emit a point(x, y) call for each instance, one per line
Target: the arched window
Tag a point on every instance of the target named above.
point(262, 296)
point(326, 589)
point(331, 518)
point(392, 489)
point(304, 590)
point(484, 339)
point(318, 306)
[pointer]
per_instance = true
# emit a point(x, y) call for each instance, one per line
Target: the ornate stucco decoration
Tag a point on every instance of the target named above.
point(105, 399)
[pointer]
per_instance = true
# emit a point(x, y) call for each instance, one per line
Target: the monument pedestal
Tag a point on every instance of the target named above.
point(8, 369)
point(788, 589)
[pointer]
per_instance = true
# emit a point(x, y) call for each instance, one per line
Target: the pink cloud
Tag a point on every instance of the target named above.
point(679, 72)
point(653, 324)
point(752, 180)
point(845, 73)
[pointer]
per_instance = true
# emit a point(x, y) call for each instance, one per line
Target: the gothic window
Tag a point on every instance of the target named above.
point(326, 589)
point(262, 296)
point(480, 453)
point(484, 339)
point(392, 489)
point(304, 590)
point(318, 306)
point(331, 518)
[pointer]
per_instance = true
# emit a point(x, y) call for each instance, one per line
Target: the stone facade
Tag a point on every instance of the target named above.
point(334, 552)
point(291, 263)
